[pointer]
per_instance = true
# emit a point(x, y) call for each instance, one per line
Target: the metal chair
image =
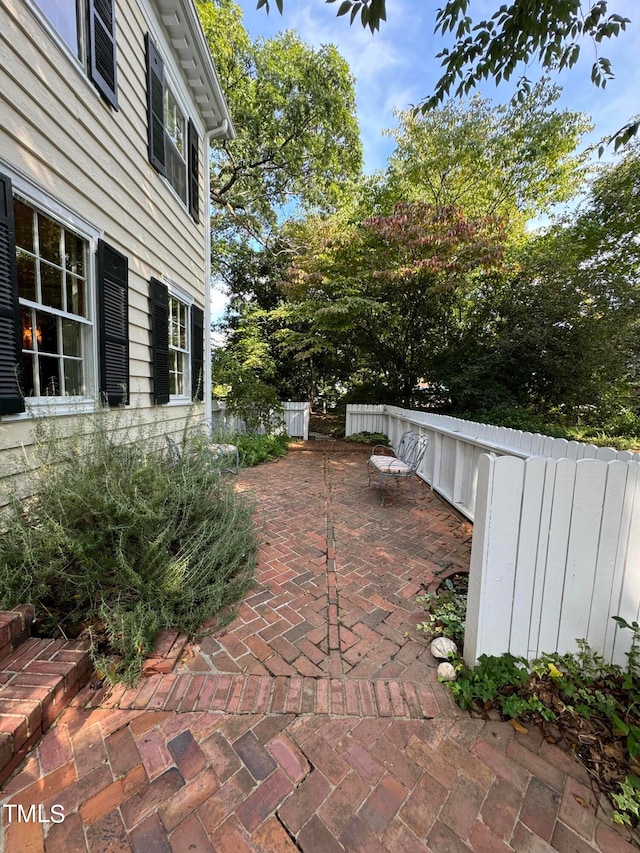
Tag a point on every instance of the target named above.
point(406, 461)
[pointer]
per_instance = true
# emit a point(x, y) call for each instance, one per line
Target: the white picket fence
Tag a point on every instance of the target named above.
point(556, 540)
point(556, 554)
point(296, 418)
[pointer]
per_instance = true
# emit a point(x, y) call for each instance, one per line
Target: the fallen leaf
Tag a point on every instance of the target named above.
point(518, 727)
point(580, 801)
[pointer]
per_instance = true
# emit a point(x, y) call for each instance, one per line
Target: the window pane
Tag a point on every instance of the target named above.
point(46, 332)
point(176, 373)
point(26, 276)
point(51, 281)
point(174, 121)
point(24, 225)
point(173, 322)
point(50, 234)
point(183, 327)
point(27, 375)
point(73, 385)
point(75, 295)
point(71, 338)
point(63, 17)
point(49, 376)
point(27, 328)
point(73, 253)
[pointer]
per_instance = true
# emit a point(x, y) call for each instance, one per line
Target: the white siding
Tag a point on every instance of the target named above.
point(58, 133)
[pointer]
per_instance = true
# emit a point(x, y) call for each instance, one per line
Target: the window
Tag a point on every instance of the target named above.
point(88, 29)
point(56, 330)
point(174, 144)
point(58, 308)
point(178, 347)
point(177, 344)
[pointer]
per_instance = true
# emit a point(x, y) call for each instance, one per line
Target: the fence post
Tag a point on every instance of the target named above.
point(493, 556)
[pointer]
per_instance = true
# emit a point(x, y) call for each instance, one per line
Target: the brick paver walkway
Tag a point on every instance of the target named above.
point(314, 721)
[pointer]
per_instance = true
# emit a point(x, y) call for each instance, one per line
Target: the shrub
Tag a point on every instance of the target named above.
point(368, 438)
point(254, 449)
point(257, 404)
point(446, 612)
point(119, 537)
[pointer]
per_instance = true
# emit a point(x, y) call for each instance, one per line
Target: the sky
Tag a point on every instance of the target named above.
point(397, 68)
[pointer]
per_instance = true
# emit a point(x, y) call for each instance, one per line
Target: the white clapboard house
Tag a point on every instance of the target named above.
point(107, 112)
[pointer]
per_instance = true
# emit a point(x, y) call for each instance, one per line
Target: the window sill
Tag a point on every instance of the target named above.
point(59, 406)
point(179, 401)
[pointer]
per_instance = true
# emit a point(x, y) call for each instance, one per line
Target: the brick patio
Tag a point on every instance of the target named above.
point(314, 720)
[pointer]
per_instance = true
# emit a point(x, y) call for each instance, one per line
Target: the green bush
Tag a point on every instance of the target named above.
point(257, 404)
point(368, 438)
point(120, 537)
point(254, 449)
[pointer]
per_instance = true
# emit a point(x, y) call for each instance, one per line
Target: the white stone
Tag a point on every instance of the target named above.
point(442, 647)
point(446, 671)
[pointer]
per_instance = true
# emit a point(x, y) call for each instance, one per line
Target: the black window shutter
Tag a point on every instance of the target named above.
point(159, 299)
point(11, 400)
point(113, 307)
point(102, 48)
point(155, 106)
point(194, 172)
point(197, 353)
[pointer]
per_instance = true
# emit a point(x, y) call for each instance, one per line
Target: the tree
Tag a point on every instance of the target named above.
point(549, 31)
point(388, 293)
point(513, 161)
point(297, 135)
point(562, 334)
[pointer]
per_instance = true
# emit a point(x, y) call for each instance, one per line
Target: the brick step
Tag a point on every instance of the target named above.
point(38, 679)
point(15, 628)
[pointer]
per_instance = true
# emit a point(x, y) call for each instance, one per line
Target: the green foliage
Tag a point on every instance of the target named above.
point(627, 801)
point(255, 403)
point(118, 534)
point(561, 335)
point(385, 294)
point(254, 449)
point(446, 612)
point(484, 683)
point(513, 161)
point(297, 141)
point(368, 438)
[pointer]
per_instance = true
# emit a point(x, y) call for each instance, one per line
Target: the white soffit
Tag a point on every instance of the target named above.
point(182, 25)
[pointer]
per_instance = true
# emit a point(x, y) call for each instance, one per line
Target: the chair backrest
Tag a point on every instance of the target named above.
point(412, 448)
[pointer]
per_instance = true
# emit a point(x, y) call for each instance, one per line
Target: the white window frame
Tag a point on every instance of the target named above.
point(171, 85)
point(176, 292)
point(34, 195)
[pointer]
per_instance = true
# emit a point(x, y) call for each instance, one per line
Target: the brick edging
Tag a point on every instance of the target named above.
point(264, 694)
